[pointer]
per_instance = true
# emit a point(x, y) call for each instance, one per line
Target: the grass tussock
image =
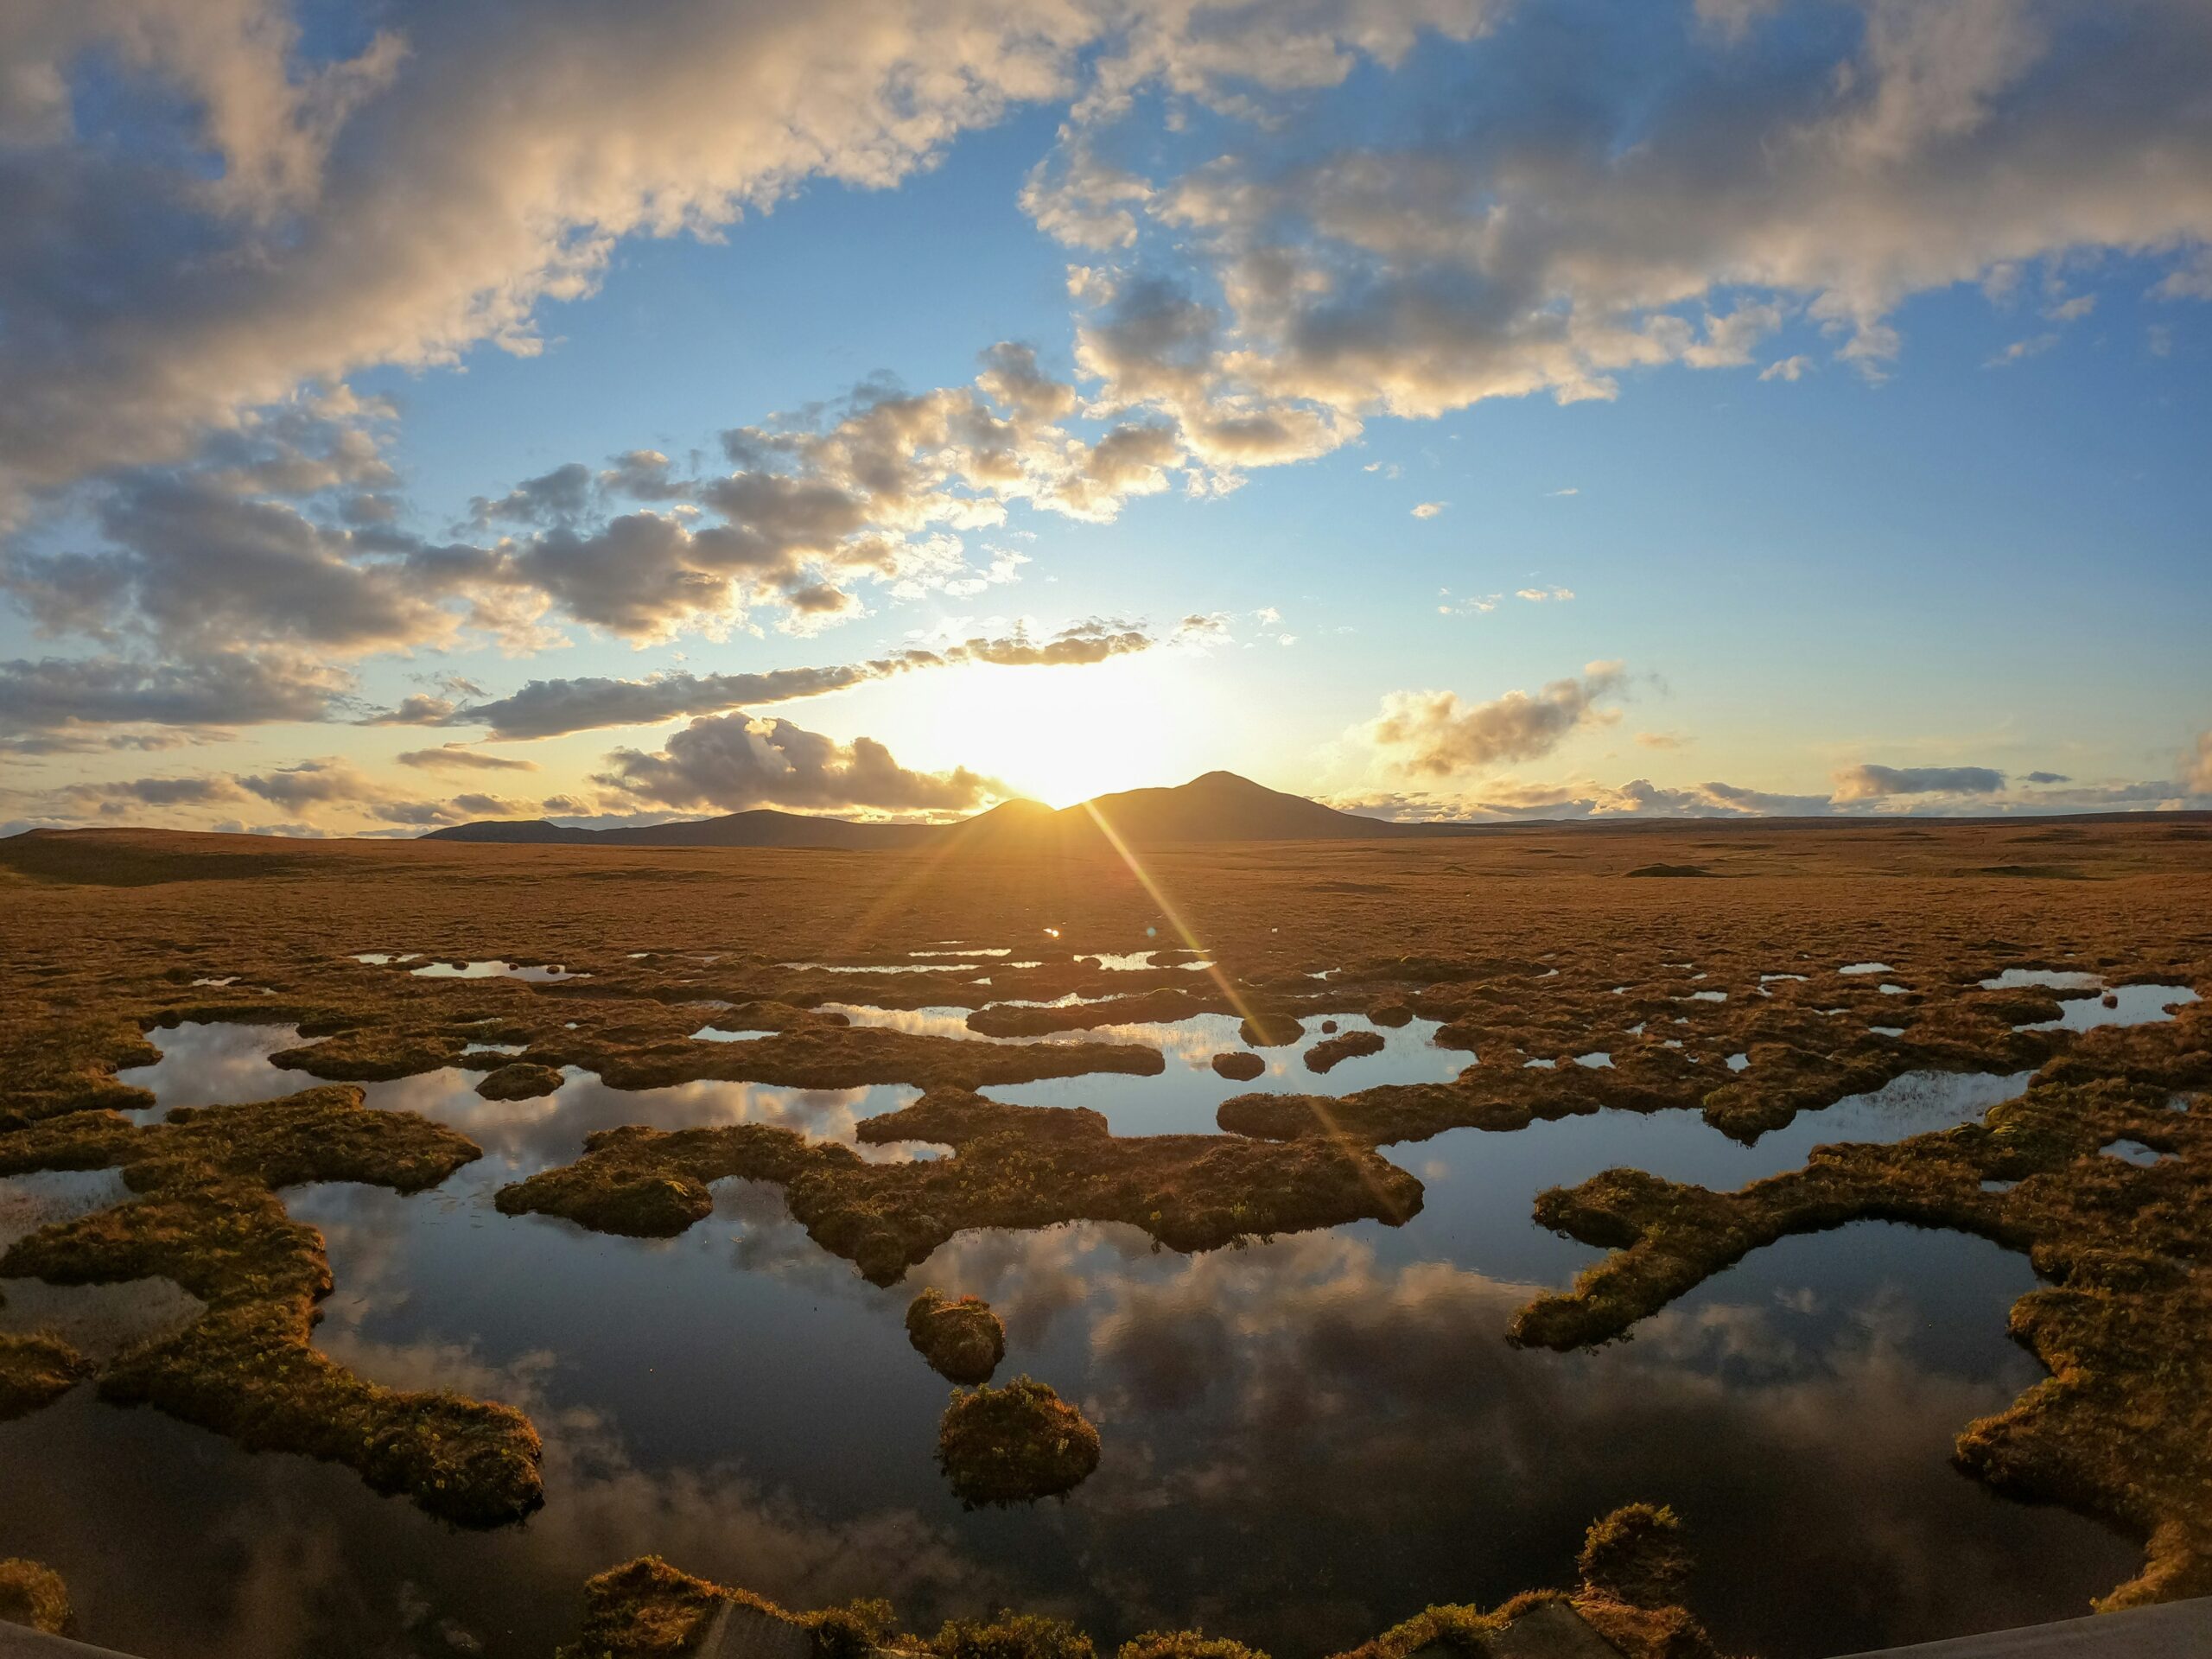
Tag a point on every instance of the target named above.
point(1520, 941)
point(206, 1217)
point(1238, 1065)
point(1632, 1565)
point(962, 1340)
point(1014, 1444)
point(2122, 1427)
point(1332, 1052)
point(34, 1595)
point(36, 1370)
point(1013, 1166)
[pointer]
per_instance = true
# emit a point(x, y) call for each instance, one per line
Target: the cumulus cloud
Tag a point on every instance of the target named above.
point(734, 762)
point(491, 169)
point(198, 570)
point(1866, 783)
point(1434, 734)
point(222, 689)
point(1503, 256)
point(1430, 509)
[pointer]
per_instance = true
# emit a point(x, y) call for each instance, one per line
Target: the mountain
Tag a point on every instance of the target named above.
point(1219, 807)
point(1222, 806)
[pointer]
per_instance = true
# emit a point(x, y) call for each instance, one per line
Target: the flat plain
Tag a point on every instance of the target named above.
point(513, 1184)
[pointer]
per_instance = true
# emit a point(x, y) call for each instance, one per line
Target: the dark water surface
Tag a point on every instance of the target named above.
point(1304, 1441)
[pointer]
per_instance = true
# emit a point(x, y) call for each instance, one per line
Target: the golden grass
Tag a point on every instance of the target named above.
point(961, 1337)
point(1013, 1166)
point(1525, 942)
point(2122, 1428)
point(34, 1594)
point(1014, 1444)
point(1633, 1566)
point(36, 1369)
point(206, 1217)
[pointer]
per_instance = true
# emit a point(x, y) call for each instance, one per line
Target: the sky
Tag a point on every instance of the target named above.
point(412, 413)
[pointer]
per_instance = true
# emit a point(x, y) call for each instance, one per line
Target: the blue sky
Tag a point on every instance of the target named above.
point(1833, 376)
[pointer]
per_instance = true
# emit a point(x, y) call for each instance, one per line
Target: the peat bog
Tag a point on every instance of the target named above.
point(1893, 1168)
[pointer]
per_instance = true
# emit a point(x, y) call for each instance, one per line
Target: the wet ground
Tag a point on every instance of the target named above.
point(1303, 1439)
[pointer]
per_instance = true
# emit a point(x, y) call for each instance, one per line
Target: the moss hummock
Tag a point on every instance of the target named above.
point(961, 1337)
point(1014, 1166)
point(34, 1594)
point(1014, 1444)
point(206, 1217)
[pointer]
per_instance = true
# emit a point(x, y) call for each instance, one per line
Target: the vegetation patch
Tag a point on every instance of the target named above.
point(961, 1337)
point(1014, 1444)
point(2122, 1427)
point(1014, 1166)
point(1670, 869)
point(1238, 1064)
point(1332, 1051)
point(36, 1370)
point(519, 1080)
point(34, 1594)
point(1633, 1566)
point(206, 1217)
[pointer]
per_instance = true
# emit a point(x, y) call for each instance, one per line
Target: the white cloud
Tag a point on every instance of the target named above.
point(1434, 734)
point(1430, 509)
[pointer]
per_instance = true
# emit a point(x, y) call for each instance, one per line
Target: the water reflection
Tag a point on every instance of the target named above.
point(2131, 1005)
point(740, 1401)
point(537, 974)
point(1184, 1099)
point(202, 1064)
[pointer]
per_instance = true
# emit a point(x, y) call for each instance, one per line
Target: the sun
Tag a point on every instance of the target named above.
point(1055, 735)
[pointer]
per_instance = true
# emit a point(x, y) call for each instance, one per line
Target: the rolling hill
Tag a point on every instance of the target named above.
point(1219, 807)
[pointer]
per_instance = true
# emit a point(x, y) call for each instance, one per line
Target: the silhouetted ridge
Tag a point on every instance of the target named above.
point(1217, 806)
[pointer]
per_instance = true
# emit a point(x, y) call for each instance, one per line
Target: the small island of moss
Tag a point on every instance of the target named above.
point(961, 1337)
point(1014, 1444)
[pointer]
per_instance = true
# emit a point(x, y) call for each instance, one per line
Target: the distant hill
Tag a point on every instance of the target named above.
point(539, 830)
point(756, 828)
point(1219, 807)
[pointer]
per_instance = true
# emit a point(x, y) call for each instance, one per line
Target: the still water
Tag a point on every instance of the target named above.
point(1304, 1441)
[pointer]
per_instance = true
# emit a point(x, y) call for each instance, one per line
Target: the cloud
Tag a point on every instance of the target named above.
point(2020, 349)
point(1430, 509)
point(199, 571)
point(734, 762)
point(1434, 734)
point(417, 710)
point(1824, 181)
point(553, 498)
point(552, 708)
point(222, 689)
point(1865, 782)
point(2197, 768)
point(1660, 740)
point(459, 757)
point(1794, 367)
point(1540, 595)
point(489, 169)
point(2046, 778)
